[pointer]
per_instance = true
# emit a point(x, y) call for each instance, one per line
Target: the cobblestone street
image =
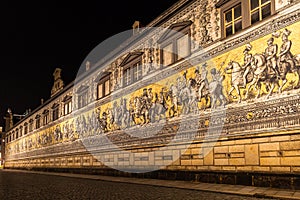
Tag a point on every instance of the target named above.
point(15, 186)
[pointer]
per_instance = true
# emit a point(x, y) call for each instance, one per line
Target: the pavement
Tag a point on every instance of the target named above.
point(250, 191)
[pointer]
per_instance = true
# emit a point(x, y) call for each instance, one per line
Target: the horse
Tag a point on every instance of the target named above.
point(237, 73)
point(262, 73)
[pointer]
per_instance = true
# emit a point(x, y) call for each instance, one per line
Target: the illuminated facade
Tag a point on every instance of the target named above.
point(248, 64)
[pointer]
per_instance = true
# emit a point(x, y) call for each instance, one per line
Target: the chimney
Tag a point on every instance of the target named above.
point(42, 101)
point(136, 27)
point(87, 66)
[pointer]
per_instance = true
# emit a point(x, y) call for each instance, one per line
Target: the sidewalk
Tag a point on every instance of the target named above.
point(208, 187)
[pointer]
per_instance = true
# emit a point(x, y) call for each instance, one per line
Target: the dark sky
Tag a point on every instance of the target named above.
point(39, 36)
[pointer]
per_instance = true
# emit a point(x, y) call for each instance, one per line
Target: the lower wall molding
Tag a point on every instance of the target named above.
point(274, 180)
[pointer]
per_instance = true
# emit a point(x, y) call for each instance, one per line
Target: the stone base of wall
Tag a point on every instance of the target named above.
point(275, 180)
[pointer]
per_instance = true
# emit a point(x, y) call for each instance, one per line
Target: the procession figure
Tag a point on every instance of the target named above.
point(150, 97)
point(158, 108)
point(203, 81)
point(286, 61)
point(125, 118)
point(193, 98)
point(247, 63)
point(102, 120)
point(285, 56)
point(271, 58)
point(197, 75)
point(173, 95)
point(141, 108)
point(216, 88)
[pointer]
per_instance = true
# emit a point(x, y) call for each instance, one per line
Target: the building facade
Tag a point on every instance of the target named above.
point(227, 68)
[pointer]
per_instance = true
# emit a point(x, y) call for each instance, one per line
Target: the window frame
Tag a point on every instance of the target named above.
point(82, 100)
point(46, 117)
point(233, 20)
point(137, 62)
point(37, 122)
point(172, 40)
point(259, 8)
point(20, 132)
point(68, 107)
point(25, 128)
point(30, 125)
point(246, 14)
point(102, 82)
point(15, 135)
point(55, 112)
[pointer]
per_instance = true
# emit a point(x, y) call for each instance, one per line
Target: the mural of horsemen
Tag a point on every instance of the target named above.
point(269, 68)
point(198, 89)
point(209, 85)
point(182, 97)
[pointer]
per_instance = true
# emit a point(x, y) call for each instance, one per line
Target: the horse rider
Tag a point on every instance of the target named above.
point(270, 54)
point(247, 63)
point(285, 56)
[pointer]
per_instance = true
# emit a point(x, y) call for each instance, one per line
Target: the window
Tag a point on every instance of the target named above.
point(176, 49)
point(46, 117)
point(82, 96)
point(183, 47)
point(240, 14)
point(55, 112)
point(83, 99)
point(20, 131)
point(30, 125)
point(67, 104)
point(25, 128)
point(137, 71)
point(68, 107)
point(15, 134)
point(127, 76)
point(132, 73)
point(103, 86)
point(260, 9)
point(175, 43)
point(233, 20)
point(132, 68)
point(37, 121)
point(167, 57)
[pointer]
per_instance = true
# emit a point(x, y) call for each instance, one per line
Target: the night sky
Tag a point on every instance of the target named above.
point(39, 36)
